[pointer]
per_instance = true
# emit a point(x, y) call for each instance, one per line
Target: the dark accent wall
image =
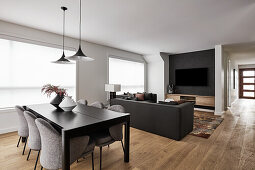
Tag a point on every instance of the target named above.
point(198, 59)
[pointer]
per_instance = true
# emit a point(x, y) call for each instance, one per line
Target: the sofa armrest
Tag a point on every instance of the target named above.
point(186, 118)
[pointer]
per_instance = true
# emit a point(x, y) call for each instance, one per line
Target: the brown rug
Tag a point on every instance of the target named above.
point(205, 124)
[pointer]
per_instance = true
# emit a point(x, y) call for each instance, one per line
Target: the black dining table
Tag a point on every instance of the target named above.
point(83, 120)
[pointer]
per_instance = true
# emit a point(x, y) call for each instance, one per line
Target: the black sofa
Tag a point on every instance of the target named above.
point(172, 121)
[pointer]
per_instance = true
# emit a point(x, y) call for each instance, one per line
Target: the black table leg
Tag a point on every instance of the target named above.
point(127, 141)
point(65, 150)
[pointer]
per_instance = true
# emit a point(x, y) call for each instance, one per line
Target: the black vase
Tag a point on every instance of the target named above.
point(57, 100)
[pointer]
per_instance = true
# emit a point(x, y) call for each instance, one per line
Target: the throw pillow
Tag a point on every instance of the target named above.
point(147, 96)
point(140, 97)
point(181, 101)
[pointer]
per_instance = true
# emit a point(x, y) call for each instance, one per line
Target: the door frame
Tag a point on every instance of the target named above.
point(241, 90)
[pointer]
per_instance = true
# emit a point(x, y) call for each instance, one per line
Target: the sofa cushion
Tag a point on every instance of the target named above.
point(140, 96)
point(148, 96)
point(169, 103)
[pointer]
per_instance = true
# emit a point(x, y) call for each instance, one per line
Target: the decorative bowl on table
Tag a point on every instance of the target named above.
point(68, 104)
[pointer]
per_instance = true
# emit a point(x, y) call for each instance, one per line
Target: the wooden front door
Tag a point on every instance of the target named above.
point(247, 83)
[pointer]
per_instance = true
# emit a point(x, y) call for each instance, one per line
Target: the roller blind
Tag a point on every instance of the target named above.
point(25, 68)
point(129, 74)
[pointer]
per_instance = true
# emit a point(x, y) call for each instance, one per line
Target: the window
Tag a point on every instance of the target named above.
point(129, 74)
point(25, 68)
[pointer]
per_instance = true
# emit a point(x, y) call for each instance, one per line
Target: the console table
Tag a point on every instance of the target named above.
point(203, 101)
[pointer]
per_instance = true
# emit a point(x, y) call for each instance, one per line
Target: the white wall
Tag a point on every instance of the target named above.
point(241, 59)
point(157, 74)
point(219, 80)
point(8, 121)
point(165, 57)
point(233, 96)
point(94, 75)
point(225, 77)
point(91, 76)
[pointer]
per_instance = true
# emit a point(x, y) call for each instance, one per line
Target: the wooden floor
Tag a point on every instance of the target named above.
point(231, 146)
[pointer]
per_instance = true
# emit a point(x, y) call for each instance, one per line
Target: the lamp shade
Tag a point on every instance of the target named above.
point(80, 56)
point(62, 60)
point(112, 87)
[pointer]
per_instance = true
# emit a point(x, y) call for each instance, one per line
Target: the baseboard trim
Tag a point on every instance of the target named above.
point(204, 110)
point(219, 113)
point(8, 130)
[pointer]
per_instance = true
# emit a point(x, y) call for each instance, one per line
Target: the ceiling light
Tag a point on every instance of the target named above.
point(79, 55)
point(63, 60)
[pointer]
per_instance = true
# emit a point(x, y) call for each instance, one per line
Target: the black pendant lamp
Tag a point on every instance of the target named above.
point(79, 54)
point(63, 60)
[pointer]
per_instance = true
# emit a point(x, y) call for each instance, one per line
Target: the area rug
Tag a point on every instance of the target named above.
point(205, 124)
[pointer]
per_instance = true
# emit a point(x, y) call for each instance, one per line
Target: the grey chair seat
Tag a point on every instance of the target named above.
point(90, 147)
point(103, 138)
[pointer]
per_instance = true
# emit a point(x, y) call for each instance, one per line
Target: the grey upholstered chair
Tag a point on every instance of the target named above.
point(51, 151)
point(34, 141)
point(98, 105)
point(116, 131)
point(23, 127)
point(89, 150)
point(111, 135)
point(83, 101)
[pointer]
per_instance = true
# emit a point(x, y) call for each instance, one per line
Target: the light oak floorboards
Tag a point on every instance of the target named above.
point(231, 147)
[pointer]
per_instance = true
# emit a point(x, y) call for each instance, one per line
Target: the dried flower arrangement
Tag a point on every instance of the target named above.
point(49, 89)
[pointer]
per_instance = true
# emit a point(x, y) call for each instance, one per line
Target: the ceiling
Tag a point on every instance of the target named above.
point(241, 54)
point(142, 26)
point(243, 58)
point(240, 48)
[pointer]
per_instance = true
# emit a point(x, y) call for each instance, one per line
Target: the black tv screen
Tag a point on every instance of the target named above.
point(191, 77)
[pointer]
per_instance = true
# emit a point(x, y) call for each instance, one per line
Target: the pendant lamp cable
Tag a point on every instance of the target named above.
point(80, 22)
point(64, 29)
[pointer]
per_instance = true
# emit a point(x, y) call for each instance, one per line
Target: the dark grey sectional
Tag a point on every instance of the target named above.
point(172, 121)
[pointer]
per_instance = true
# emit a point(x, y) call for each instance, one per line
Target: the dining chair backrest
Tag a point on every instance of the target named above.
point(117, 108)
point(83, 101)
point(116, 131)
point(34, 141)
point(23, 126)
point(98, 105)
point(51, 151)
point(51, 157)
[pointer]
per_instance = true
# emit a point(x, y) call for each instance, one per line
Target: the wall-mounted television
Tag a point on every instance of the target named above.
point(191, 77)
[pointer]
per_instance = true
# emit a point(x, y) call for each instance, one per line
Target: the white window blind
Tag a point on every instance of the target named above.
point(25, 68)
point(129, 74)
